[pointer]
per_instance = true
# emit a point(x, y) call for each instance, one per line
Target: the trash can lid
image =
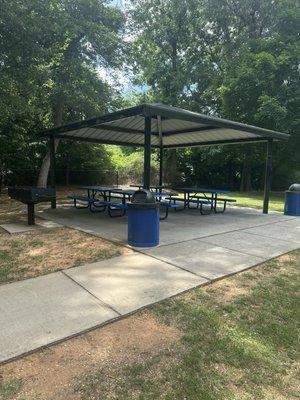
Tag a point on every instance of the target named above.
point(143, 196)
point(295, 187)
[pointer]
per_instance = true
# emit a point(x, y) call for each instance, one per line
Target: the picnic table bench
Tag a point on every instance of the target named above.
point(96, 205)
point(198, 203)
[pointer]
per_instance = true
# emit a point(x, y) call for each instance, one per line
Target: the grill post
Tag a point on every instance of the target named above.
point(30, 213)
point(52, 167)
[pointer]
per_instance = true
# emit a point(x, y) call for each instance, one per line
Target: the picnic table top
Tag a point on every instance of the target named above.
point(151, 186)
point(98, 188)
point(118, 190)
point(131, 192)
point(200, 190)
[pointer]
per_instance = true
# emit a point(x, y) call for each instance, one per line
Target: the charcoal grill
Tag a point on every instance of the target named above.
point(32, 195)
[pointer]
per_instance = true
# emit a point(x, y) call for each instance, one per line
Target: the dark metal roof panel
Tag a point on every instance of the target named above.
point(205, 136)
point(181, 114)
point(179, 127)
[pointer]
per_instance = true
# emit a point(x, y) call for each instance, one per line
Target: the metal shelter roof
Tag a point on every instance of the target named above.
point(170, 126)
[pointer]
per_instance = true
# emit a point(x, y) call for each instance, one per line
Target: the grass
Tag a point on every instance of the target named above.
point(9, 389)
point(45, 250)
point(239, 342)
point(255, 200)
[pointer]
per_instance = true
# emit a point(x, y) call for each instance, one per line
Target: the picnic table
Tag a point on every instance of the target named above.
point(156, 188)
point(193, 197)
point(107, 192)
point(92, 190)
point(198, 195)
point(115, 209)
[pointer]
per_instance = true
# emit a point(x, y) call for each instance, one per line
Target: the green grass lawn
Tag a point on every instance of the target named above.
point(239, 342)
point(255, 200)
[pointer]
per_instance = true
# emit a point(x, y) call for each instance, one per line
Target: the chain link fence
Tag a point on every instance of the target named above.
point(72, 177)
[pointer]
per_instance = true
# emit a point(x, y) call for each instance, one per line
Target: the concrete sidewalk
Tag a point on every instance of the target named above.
point(44, 310)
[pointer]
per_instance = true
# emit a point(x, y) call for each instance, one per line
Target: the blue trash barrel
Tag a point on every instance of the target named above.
point(143, 220)
point(292, 200)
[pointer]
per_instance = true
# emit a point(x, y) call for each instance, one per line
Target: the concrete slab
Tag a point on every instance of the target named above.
point(22, 227)
point(180, 226)
point(203, 259)
point(128, 283)
point(288, 231)
point(18, 227)
point(294, 222)
point(42, 310)
point(247, 243)
point(100, 224)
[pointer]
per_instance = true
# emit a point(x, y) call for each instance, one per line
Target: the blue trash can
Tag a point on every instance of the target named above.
point(292, 200)
point(143, 220)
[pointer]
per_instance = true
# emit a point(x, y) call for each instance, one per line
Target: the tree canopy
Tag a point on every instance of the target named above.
point(238, 59)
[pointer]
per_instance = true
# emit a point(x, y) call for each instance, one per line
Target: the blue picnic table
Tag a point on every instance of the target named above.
point(125, 194)
point(198, 195)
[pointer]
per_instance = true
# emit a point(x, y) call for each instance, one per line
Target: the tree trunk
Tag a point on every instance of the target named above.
point(44, 171)
point(231, 177)
point(171, 169)
point(246, 184)
point(68, 168)
point(70, 53)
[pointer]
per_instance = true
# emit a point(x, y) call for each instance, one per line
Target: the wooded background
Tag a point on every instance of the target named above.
point(238, 59)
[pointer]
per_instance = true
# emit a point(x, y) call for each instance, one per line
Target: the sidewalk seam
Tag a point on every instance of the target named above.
point(235, 251)
point(91, 293)
point(222, 233)
point(173, 265)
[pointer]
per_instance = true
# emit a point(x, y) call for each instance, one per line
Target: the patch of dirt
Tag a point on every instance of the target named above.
point(51, 373)
point(231, 290)
point(226, 290)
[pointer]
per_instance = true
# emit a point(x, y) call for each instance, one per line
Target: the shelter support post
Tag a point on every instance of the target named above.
point(161, 155)
point(268, 176)
point(147, 153)
point(161, 150)
point(52, 167)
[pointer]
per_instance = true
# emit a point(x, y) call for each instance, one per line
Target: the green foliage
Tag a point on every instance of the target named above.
point(236, 59)
point(130, 164)
point(50, 54)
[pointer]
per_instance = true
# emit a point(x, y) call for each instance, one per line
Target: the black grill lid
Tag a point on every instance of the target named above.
point(31, 194)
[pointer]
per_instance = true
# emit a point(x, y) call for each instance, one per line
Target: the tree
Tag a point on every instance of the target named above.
point(234, 58)
point(87, 36)
point(49, 59)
